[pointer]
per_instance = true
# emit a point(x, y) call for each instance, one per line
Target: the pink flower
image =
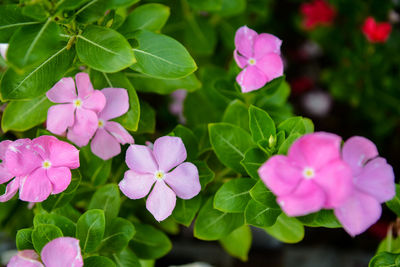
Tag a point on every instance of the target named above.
point(311, 177)
point(376, 32)
point(317, 12)
point(373, 181)
point(176, 106)
point(259, 57)
point(60, 252)
point(77, 112)
point(148, 167)
point(41, 167)
point(110, 134)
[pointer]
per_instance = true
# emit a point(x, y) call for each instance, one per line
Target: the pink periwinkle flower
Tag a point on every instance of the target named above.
point(259, 56)
point(313, 175)
point(176, 106)
point(60, 252)
point(373, 181)
point(164, 167)
point(110, 134)
point(40, 166)
point(77, 112)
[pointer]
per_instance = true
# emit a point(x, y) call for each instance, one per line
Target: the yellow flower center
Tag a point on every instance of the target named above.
point(252, 61)
point(46, 164)
point(77, 103)
point(308, 173)
point(101, 123)
point(159, 175)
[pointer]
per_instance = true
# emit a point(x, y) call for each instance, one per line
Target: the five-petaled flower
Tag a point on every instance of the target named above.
point(376, 32)
point(315, 13)
point(259, 57)
point(164, 167)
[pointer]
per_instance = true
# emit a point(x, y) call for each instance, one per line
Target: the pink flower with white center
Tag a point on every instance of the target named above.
point(259, 57)
point(60, 252)
point(76, 112)
point(311, 177)
point(110, 134)
point(164, 167)
point(41, 167)
point(373, 181)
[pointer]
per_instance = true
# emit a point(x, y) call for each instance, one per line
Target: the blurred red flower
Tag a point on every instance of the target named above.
point(317, 12)
point(376, 32)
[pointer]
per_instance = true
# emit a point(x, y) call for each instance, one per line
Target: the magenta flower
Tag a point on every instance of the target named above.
point(373, 181)
point(60, 252)
point(259, 57)
point(311, 177)
point(148, 167)
point(41, 167)
point(76, 112)
point(110, 134)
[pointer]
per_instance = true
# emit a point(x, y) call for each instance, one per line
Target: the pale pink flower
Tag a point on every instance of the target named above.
point(76, 112)
point(41, 167)
point(164, 167)
point(373, 181)
point(60, 252)
point(110, 134)
point(176, 106)
point(259, 57)
point(311, 177)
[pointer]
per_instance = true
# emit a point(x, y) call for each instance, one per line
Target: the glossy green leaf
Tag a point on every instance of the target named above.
point(66, 226)
point(236, 113)
point(118, 235)
point(252, 161)
point(200, 36)
point(24, 239)
point(126, 258)
point(90, 230)
point(147, 122)
point(238, 242)
point(259, 215)
point(206, 175)
point(120, 3)
point(107, 198)
point(394, 203)
point(322, 218)
point(385, 259)
point(189, 139)
point(95, 169)
point(70, 4)
point(96, 261)
point(186, 210)
point(262, 127)
point(232, 7)
point(284, 148)
point(43, 234)
point(263, 195)
point(286, 229)
point(292, 125)
point(205, 5)
point(233, 195)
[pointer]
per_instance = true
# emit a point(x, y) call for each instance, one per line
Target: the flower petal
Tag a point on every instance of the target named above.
point(85, 126)
point(271, 65)
point(251, 78)
point(357, 151)
point(25, 258)
point(35, 187)
point(104, 145)
point(63, 91)
point(117, 103)
point(161, 201)
point(62, 252)
point(3, 148)
point(11, 190)
point(60, 117)
point(60, 178)
point(62, 154)
point(95, 101)
point(169, 152)
point(266, 43)
point(358, 213)
point(119, 132)
point(136, 185)
point(241, 61)
point(244, 41)
point(184, 180)
point(140, 159)
point(21, 158)
point(307, 198)
point(5, 175)
point(83, 84)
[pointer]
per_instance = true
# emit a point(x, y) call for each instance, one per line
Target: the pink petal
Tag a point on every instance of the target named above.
point(3, 148)
point(336, 180)
point(63, 91)
point(315, 150)
point(307, 198)
point(136, 185)
point(266, 43)
point(104, 145)
point(11, 190)
point(140, 159)
point(83, 84)
point(25, 258)
point(117, 103)
point(169, 152)
point(59, 118)
point(5, 175)
point(184, 180)
point(280, 175)
point(62, 154)
point(357, 151)
point(21, 159)
point(377, 180)
point(85, 126)
point(251, 78)
point(161, 201)
point(119, 132)
point(60, 178)
point(62, 252)
point(35, 187)
point(41, 145)
point(95, 101)
point(271, 65)
point(244, 41)
point(240, 60)
point(358, 213)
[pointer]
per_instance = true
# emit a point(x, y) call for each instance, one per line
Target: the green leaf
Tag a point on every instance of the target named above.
point(230, 144)
point(23, 115)
point(107, 198)
point(147, 122)
point(259, 215)
point(126, 258)
point(253, 159)
point(95, 169)
point(394, 203)
point(24, 239)
point(284, 148)
point(262, 127)
point(43, 234)
point(232, 7)
point(150, 17)
point(322, 218)
point(233, 195)
point(66, 226)
point(263, 195)
point(238, 242)
point(96, 261)
point(206, 175)
point(90, 229)
point(121, 3)
point(104, 49)
point(236, 113)
point(286, 229)
point(205, 5)
point(189, 139)
point(38, 79)
point(161, 56)
point(70, 4)
point(200, 36)
point(36, 10)
point(69, 212)
point(385, 259)
point(212, 224)
point(185, 210)
point(118, 235)
point(292, 125)
point(149, 243)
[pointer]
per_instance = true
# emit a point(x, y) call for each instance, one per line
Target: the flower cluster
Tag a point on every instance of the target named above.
point(84, 113)
point(37, 167)
point(318, 174)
